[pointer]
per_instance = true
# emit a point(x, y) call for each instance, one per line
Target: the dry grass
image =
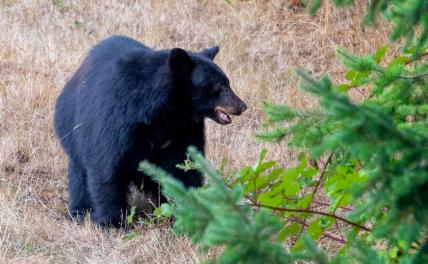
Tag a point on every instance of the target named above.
point(42, 43)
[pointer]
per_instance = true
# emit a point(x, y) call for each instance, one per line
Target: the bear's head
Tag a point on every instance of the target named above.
point(206, 85)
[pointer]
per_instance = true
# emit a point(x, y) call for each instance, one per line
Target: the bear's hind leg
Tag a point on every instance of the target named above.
point(153, 192)
point(79, 202)
point(108, 200)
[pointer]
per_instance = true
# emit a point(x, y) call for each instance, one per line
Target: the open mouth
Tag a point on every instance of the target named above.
point(222, 116)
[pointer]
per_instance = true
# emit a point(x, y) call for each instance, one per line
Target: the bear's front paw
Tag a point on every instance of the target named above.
point(105, 222)
point(77, 215)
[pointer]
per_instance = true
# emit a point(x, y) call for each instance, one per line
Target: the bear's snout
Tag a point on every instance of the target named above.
point(242, 107)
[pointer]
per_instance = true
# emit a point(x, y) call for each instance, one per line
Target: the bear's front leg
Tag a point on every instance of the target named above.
point(108, 198)
point(169, 155)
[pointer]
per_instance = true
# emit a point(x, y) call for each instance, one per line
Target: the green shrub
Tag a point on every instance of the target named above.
point(370, 158)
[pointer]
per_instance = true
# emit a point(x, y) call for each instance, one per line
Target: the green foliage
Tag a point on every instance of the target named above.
point(131, 235)
point(386, 135)
point(368, 159)
point(80, 25)
point(131, 215)
point(246, 234)
point(314, 6)
point(165, 210)
point(256, 210)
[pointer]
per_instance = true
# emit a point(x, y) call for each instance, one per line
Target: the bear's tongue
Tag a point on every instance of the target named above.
point(223, 117)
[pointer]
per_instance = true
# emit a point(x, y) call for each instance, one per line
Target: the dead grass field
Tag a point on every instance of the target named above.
point(42, 42)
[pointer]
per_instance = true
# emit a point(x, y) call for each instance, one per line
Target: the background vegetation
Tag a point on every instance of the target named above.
point(261, 44)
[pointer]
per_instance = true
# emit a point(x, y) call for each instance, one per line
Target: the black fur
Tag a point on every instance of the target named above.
point(127, 103)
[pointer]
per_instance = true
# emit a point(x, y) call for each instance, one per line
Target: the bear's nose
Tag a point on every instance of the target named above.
point(242, 107)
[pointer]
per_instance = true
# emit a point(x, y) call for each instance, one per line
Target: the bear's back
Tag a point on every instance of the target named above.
point(110, 50)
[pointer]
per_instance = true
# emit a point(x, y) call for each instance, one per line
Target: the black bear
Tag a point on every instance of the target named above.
point(127, 103)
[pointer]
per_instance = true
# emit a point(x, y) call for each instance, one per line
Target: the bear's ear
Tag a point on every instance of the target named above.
point(210, 52)
point(180, 62)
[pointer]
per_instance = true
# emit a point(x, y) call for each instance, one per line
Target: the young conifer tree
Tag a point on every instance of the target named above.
point(370, 155)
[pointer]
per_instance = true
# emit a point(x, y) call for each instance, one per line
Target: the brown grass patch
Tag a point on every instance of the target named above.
point(43, 42)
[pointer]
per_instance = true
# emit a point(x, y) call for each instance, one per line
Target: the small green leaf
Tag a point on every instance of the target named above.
point(400, 60)
point(303, 162)
point(309, 172)
point(344, 200)
point(261, 167)
point(28, 247)
point(131, 235)
point(262, 155)
point(130, 217)
point(314, 6)
point(79, 24)
point(157, 212)
point(291, 174)
point(292, 188)
point(380, 53)
point(326, 222)
point(299, 245)
point(350, 75)
point(393, 252)
point(304, 201)
point(244, 175)
point(301, 156)
point(287, 231)
point(342, 88)
point(270, 199)
point(408, 50)
point(165, 210)
point(360, 78)
point(274, 174)
point(314, 229)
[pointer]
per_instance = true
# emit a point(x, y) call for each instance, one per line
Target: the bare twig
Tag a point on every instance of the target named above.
point(326, 234)
point(417, 58)
point(422, 75)
point(316, 189)
point(327, 204)
point(314, 192)
point(338, 229)
point(309, 211)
